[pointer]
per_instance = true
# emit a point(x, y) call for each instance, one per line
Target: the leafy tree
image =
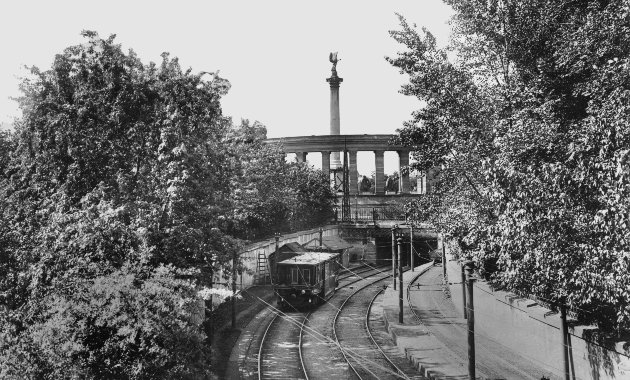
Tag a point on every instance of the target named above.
point(114, 327)
point(392, 182)
point(121, 192)
point(269, 194)
point(530, 127)
point(6, 147)
point(118, 170)
point(365, 184)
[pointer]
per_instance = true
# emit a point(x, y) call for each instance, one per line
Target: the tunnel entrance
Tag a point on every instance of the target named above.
point(422, 249)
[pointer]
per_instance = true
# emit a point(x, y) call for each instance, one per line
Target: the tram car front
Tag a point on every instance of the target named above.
point(306, 278)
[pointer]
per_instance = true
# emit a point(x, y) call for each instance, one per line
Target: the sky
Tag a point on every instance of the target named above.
point(273, 52)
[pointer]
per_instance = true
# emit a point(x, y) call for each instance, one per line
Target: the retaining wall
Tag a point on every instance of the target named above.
point(534, 332)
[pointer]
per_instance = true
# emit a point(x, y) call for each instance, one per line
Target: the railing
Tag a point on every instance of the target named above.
point(370, 214)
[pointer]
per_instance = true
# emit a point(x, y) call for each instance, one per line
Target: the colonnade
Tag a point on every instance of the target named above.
point(379, 164)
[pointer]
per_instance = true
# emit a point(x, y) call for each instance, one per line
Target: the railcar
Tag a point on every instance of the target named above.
point(304, 278)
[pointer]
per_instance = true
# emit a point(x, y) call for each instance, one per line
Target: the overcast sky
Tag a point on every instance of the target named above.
point(274, 53)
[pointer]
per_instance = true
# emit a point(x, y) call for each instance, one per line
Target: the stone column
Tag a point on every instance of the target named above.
point(301, 156)
point(335, 129)
point(379, 175)
point(403, 181)
point(353, 173)
point(326, 163)
point(428, 184)
point(421, 187)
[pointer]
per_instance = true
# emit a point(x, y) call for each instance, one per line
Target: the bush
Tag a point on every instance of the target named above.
point(118, 326)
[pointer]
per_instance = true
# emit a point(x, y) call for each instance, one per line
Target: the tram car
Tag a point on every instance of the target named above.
point(304, 278)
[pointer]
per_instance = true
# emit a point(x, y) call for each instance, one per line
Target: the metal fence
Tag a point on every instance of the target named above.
point(370, 214)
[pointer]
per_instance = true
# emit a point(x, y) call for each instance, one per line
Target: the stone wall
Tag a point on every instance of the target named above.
point(534, 332)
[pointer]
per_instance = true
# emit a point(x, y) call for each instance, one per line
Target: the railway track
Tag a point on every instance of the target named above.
point(301, 344)
point(324, 359)
point(359, 271)
point(362, 351)
point(279, 356)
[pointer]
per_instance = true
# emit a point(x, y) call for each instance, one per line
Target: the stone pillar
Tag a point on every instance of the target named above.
point(428, 185)
point(335, 129)
point(421, 189)
point(326, 163)
point(353, 173)
point(301, 156)
point(379, 175)
point(403, 181)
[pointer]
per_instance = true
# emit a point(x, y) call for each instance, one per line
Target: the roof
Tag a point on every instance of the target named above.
point(309, 258)
point(336, 143)
point(329, 242)
point(335, 242)
point(291, 247)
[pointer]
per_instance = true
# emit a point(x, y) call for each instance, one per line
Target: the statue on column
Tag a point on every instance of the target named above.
point(333, 59)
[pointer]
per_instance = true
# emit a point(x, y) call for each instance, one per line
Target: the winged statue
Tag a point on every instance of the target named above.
point(333, 59)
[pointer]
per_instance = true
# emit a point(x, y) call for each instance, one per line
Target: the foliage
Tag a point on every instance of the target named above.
point(530, 128)
point(122, 190)
point(365, 184)
point(6, 146)
point(117, 171)
point(272, 195)
point(120, 325)
point(392, 182)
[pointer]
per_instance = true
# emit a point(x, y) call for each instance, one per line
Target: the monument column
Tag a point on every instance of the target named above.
point(353, 172)
point(334, 82)
point(403, 182)
point(379, 175)
point(326, 163)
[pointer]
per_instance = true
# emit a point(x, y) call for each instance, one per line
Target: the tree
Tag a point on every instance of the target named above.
point(117, 171)
point(534, 117)
point(269, 194)
point(122, 191)
point(365, 185)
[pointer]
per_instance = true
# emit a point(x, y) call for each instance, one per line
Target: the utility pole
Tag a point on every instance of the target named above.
point(321, 237)
point(469, 266)
point(234, 289)
point(209, 315)
point(411, 246)
point(464, 290)
point(443, 260)
point(565, 341)
point(400, 283)
point(346, 216)
point(394, 255)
